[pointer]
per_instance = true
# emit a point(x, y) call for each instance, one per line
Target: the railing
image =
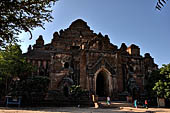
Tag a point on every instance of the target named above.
point(13, 100)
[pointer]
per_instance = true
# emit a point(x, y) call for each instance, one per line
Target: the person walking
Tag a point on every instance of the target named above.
point(135, 103)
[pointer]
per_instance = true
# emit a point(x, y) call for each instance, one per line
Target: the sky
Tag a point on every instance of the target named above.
point(125, 21)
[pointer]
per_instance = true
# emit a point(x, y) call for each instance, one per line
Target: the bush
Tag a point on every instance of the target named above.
point(77, 91)
point(31, 89)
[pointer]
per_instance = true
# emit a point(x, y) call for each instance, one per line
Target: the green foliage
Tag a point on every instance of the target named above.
point(76, 91)
point(153, 78)
point(32, 89)
point(38, 84)
point(12, 62)
point(19, 15)
point(160, 4)
point(12, 65)
point(162, 86)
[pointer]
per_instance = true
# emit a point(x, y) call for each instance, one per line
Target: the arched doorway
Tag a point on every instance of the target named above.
point(102, 84)
point(66, 91)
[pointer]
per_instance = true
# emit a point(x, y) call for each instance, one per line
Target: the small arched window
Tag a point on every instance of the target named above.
point(131, 69)
point(66, 65)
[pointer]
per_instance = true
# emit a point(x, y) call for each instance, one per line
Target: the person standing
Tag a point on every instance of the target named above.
point(108, 101)
point(135, 103)
point(146, 104)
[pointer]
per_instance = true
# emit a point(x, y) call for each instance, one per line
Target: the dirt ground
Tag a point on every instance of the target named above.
point(83, 110)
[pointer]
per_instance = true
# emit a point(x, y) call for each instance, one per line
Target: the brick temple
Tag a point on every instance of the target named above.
point(79, 56)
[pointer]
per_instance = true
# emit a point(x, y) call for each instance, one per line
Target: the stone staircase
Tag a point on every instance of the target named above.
point(114, 104)
point(59, 100)
point(100, 102)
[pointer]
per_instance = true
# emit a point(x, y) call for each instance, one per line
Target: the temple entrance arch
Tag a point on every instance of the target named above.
point(101, 85)
point(103, 82)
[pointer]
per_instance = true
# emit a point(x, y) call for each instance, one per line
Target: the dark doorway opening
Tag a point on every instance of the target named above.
point(101, 85)
point(66, 65)
point(66, 91)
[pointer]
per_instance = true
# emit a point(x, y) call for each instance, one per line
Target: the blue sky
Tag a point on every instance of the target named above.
point(125, 21)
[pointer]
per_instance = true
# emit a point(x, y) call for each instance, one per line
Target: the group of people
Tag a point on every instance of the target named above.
point(145, 104)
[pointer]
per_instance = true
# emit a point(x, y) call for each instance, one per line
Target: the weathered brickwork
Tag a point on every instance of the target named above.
point(79, 56)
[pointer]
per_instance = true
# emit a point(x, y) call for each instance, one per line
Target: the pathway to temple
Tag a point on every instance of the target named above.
point(83, 110)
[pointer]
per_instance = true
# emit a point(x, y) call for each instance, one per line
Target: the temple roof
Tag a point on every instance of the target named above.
point(38, 54)
point(79, 23)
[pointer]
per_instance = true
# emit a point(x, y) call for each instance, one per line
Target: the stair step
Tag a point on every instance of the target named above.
point(114, 104)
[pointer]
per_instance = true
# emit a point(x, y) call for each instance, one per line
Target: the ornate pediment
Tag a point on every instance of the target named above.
point(101, 62)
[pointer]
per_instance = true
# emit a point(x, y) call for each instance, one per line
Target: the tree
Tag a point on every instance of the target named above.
point(12, 62)
point(33, 89)
point(160, 4)
point(13, 65)
point(153, 78)
point(22, 15)
point(2, 86)
point(162, 87)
